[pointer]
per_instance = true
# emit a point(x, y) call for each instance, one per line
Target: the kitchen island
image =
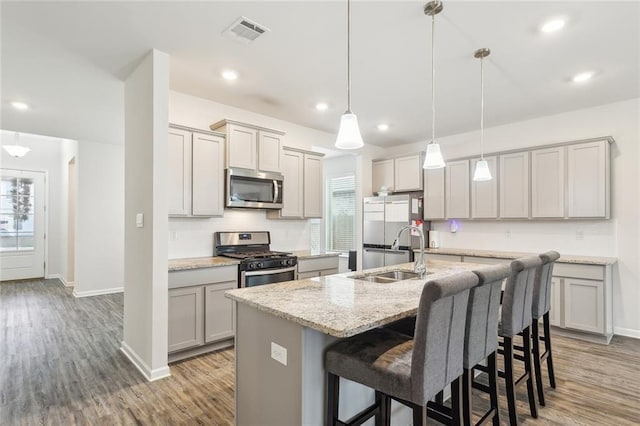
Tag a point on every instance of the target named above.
point(282, 331)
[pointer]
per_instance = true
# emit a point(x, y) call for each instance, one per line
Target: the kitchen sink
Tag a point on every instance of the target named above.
point(387, 277)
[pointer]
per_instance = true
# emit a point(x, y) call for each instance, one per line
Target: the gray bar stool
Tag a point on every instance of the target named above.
point(516, 319)
point(540, 309)
point(409, 370)
point(481, 339)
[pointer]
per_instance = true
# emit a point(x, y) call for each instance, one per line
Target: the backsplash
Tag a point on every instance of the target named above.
point(194, 237)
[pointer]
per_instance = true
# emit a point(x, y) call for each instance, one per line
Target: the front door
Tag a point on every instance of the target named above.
point(22, 235)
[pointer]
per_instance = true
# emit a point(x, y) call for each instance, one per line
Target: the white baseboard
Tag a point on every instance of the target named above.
point(628, 332)
point(62, 280)
point(149, 374)
point(77, 293)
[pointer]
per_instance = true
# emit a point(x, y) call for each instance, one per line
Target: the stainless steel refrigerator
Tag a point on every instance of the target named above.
point(383, 218)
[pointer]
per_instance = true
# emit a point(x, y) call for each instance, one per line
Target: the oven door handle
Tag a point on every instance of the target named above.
point(269, 271)
point(275, 191)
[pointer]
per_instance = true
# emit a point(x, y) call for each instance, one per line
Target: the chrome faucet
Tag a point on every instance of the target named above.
point(418, 267)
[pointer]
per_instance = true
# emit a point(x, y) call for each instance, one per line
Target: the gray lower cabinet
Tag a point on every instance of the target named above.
point(185, 318)
point(317, 267)
point(219, 316)
point(201, 318)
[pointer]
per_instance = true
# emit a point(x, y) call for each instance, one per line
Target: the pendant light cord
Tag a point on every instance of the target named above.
point(433, 78)
point(482, 108)
point(349, 56)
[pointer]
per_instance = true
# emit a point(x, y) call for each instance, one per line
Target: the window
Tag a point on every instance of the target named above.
point(16, 214)
point(341, 213)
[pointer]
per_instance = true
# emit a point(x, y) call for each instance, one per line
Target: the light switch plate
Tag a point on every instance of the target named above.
point(140, 220)
point(279, 353)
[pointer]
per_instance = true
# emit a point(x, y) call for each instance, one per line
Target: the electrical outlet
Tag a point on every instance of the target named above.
point(507, 234)
point(173, 235)
point(279, 353)
point(579, 235)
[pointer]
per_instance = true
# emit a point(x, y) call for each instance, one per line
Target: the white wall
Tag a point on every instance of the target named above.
point(99, 242)
point(194, 237)
point(47, 155)
point(145, 250)
point(618, 237)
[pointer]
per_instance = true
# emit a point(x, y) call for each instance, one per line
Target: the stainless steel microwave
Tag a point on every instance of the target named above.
point(254, 190)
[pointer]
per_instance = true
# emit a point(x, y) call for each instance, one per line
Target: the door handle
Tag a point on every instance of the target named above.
point(275, 191)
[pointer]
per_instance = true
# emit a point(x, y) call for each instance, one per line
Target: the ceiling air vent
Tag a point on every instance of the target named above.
point(245, 30)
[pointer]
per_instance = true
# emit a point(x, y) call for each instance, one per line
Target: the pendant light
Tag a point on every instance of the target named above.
point(482, 172)
point(17, 150)
point(433, 158)
point(349, 133)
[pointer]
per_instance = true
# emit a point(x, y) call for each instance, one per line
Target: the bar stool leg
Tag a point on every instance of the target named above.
point(333, 396)
point(535, 334)
point(467, 378)
point(526, 336)
point(419, 416)
point(509, 382)
point(456, 403)
point(492, 371)
point(547, 347)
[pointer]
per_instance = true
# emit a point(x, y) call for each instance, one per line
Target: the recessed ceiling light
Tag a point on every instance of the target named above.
point(20, 105)
point(553, 25)
point(383, 127)
point(229, 75)
point(582, 77)
point(322, 106)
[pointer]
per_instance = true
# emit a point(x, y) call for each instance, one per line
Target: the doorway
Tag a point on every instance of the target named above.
point(22, 223)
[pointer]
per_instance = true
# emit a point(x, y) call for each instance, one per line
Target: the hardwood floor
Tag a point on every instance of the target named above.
point(60, 364)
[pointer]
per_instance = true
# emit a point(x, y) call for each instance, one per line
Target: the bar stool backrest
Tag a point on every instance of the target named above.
point(481, 330)
point(542, 289)
point(518, 295)
point(439, 335)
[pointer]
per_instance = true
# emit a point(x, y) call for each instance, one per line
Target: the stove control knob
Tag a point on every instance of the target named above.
point(260, 264)
point(290, 262)
point(283, 262)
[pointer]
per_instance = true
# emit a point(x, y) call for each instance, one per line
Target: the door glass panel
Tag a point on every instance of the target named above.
point(16, 214)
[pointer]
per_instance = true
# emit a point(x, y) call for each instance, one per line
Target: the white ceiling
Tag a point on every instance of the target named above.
point(303, 59)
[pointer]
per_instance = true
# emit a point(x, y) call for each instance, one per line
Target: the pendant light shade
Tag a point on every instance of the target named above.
point(482, 172)
point(17, 150)
point(433, 157)
point(349, 133)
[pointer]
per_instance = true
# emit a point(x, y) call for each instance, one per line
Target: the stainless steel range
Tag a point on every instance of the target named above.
point(258, 264)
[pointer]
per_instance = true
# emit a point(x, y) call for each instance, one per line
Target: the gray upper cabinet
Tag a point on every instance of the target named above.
point(547, 182)
point(484, 194)
point(588, 180)
point(401, 174)
point(434, 194)
point(302, 187)
point(457, 189)
point(195, 180)
point(251, 147)
point(514, 185)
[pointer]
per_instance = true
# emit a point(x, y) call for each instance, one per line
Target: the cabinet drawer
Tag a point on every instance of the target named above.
point(201, 276)
point(485, 260)
point(318, 264)
point(589, 272)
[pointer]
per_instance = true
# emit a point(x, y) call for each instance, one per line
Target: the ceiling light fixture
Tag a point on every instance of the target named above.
point(20, 105)
point(482, 172)
point(349, 133)
point(553, 25)
point(433, 158)
point(322, 106)
point(229, 75)
point(582, 77)
point(17, 150)
point(383, 127)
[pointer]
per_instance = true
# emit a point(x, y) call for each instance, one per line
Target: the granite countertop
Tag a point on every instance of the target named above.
point(307, 254)
point(341, 306)
point(564, 258)
point(200, 262)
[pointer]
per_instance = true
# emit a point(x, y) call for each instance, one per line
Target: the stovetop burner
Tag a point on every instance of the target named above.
point(255, 254)
point(252, 249)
